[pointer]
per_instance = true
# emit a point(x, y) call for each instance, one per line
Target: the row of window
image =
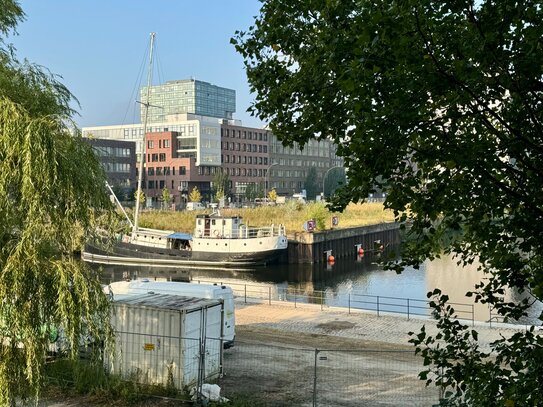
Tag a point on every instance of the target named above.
point(245, 172)
point(243, 159)
point(244, 134)
point(161, 144)
point(116, 167)
point(252, 148)
point(165, 170)
point(160, 157)
point(103, 151)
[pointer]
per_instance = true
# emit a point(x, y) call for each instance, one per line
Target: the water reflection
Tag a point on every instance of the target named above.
point(336, 284)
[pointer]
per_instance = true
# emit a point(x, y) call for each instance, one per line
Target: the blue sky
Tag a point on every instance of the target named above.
point(99, 48)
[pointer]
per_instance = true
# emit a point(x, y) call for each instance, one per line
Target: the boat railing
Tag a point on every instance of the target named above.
point(245, 232)
point(263, 231)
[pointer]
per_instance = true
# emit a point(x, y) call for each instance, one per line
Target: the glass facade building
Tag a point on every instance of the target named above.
point(188, 96)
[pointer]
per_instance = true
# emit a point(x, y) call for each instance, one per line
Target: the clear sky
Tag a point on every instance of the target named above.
point(99, 48)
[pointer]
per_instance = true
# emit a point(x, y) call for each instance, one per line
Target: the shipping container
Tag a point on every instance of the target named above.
point(166, 339)
point(213, 291)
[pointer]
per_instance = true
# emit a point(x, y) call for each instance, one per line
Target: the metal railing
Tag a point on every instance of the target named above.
point(379, 304)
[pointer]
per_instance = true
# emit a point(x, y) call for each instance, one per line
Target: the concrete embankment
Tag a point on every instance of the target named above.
point(305, 247)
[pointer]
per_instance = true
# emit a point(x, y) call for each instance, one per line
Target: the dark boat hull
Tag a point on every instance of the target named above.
point(141, 254)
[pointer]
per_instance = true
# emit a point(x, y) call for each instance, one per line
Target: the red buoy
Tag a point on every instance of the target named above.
point(360, 252)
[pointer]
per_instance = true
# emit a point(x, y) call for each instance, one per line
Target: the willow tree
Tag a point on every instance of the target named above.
point(439, 104)
point(51, 195)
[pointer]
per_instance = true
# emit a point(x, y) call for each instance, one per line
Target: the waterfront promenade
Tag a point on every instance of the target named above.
point(309, 319)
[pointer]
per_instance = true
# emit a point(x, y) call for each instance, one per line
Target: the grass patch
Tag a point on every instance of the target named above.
point(88, 381)
point(292, 214)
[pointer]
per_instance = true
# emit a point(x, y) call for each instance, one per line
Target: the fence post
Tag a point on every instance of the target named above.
point(408, 309)
point(294, 298)
point(377, 305)
point(315, 379)
point(269, 295)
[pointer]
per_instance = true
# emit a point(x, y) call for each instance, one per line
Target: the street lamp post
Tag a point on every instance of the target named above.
point(266, 180)
point(324, 177)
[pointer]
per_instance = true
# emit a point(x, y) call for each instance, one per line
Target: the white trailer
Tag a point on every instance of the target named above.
point(210, 291)
point(166, 339)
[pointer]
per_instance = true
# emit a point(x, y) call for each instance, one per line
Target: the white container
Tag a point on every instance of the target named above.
point(210, 291)
point(160, 338)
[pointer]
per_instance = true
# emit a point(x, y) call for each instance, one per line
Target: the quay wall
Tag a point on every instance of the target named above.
point(306, 247)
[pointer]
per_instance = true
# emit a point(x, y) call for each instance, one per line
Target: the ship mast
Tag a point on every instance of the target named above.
point(145, 118)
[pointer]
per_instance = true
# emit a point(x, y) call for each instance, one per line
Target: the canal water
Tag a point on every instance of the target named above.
point(339, 283)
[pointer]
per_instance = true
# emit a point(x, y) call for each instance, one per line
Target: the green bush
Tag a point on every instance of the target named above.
point(319, 213)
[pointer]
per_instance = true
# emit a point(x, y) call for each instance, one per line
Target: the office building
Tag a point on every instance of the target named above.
point(118, 159)
point(188, 96)
point(194, 137)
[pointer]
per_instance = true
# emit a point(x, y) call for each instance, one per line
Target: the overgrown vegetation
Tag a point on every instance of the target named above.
point(76, 378)
point(293, 214)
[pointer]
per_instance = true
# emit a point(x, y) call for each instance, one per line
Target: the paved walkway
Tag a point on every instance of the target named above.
point(391, 329)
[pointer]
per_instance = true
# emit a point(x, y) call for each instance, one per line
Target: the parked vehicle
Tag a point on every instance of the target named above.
point(195, 206)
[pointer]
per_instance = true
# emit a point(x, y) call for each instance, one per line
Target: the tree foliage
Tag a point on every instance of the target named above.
point(311, 184)
point(334, 179)
point(141, 196)
point(51, 197)
point(438, 104)
point(166, 197)
point(221, 184)
point(195, 195)
point(251, 192)
point(272, 195)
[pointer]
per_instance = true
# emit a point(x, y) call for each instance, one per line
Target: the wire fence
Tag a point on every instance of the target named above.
point(277, 376)
point(170, 361)
point(353, 301)
point(266, 374)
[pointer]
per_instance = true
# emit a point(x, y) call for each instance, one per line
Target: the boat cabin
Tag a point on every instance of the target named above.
point(219, 227)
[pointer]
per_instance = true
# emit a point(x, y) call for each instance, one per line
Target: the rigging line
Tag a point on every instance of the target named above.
point(136, 87)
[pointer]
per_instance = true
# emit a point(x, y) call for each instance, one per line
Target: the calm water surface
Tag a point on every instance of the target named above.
point(336, 284)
